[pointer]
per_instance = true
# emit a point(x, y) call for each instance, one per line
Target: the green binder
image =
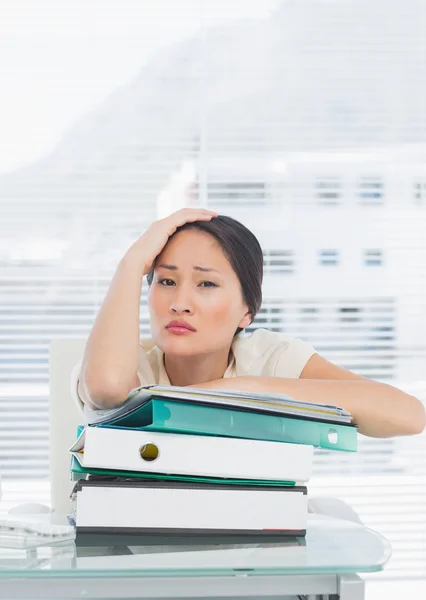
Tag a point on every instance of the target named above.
point(180, 417)
point(79, 472)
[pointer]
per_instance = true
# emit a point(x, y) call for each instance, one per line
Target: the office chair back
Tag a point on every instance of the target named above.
point(65, 416)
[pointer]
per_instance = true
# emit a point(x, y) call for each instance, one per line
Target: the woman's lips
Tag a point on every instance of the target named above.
point(179, 330)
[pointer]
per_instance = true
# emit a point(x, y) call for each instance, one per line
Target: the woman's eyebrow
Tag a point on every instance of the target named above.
point(205, 269)
point(195, 267)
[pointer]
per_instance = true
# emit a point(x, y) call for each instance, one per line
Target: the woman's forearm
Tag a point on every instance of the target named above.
point(110, 361)
point(380, 410)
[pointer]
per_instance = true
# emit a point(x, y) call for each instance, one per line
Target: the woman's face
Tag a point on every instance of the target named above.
point(194, 282)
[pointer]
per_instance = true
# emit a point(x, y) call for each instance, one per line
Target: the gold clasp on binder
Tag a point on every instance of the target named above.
point(149, 452)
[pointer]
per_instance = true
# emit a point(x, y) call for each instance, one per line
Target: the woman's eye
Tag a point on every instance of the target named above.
point(210, 284)
point(161, 281)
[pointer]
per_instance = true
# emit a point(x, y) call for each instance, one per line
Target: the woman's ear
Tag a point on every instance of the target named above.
point(245, 321)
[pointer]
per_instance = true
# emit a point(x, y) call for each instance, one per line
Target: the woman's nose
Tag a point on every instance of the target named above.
point(181, 308)
point(181, 303)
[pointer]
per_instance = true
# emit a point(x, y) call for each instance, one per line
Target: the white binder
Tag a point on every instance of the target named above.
point(181, 454)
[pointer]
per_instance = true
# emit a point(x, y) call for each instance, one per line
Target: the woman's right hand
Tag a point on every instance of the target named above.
point(152, 242)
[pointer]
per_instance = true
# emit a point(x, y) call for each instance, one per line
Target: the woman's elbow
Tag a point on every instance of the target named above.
point(102, 400)
point(416, 414)
point(103, 395)
point(405, 416)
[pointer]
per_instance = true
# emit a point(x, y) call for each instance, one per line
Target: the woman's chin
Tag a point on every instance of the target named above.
point(178, 344)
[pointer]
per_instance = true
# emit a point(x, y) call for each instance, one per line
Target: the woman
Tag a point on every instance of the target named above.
point(205, 276)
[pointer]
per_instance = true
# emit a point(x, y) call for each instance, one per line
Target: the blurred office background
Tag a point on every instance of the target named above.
point(304, 119)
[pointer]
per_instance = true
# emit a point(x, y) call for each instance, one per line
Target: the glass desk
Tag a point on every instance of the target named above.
point(327, 562)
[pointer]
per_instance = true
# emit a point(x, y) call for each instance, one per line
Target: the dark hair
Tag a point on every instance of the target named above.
point(243, 251)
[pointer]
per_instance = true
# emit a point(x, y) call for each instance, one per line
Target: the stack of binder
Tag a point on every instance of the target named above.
point(179, 462)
